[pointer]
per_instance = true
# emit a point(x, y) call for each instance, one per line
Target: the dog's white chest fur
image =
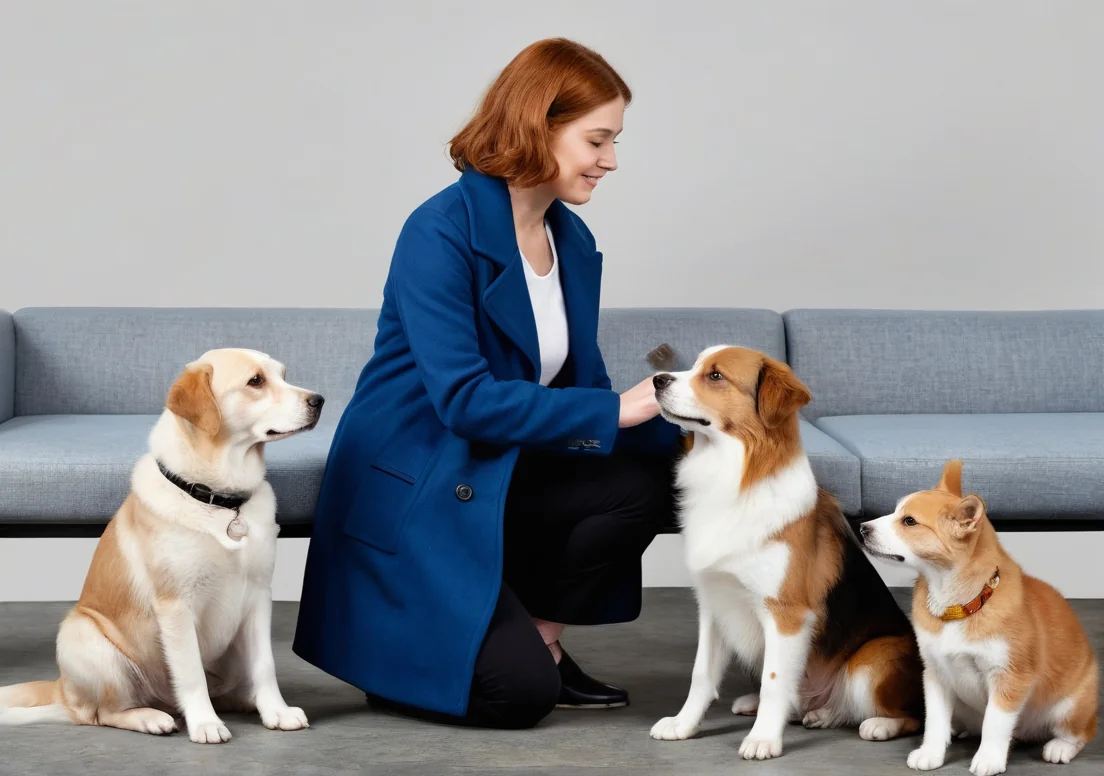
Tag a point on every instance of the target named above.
point(729, 534)
point(965, 667)
point(217, 576)
point(731, 531)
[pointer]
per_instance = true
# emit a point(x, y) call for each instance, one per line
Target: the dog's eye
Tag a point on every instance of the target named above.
point(909, 521)
point(715, 376)
point(256, 381)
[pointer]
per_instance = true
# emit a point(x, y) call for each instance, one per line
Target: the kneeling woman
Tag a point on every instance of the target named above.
point(485, 486)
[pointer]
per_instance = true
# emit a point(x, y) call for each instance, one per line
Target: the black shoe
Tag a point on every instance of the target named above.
point(579, 691)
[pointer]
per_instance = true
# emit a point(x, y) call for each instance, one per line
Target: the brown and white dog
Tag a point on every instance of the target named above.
point(176, 606)
point(780, 579)
point(1004, 653)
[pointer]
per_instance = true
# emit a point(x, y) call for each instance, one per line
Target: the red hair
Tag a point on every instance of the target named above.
point(549, 84)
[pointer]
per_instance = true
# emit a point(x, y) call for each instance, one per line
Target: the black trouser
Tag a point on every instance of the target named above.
point(572, 525)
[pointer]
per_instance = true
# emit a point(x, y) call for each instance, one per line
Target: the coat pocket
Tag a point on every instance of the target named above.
point(386, 491)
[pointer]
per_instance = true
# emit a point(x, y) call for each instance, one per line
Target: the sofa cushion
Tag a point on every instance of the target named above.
point(875, 362)
point(1023, 465)
point(76, 468)
point(626, 336)
point(76, 360)
point(837, 470)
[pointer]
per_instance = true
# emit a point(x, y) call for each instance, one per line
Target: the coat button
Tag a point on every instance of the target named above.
point(464, 492)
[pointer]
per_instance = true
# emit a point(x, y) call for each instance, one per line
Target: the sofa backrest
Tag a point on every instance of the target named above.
point(626, 335)
point(123, 360)
point(871, 362)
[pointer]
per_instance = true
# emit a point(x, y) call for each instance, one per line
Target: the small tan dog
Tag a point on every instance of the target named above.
point(177, 604)
point(1004, 653)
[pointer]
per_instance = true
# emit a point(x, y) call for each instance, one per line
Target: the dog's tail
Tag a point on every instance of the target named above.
point(24, 704)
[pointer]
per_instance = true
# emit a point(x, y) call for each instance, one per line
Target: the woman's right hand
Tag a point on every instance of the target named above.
point(638, 404)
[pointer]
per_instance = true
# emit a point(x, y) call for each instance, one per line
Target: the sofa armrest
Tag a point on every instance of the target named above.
point(7, 366)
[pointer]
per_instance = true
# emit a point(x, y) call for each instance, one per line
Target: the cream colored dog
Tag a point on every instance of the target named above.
point(176, 609)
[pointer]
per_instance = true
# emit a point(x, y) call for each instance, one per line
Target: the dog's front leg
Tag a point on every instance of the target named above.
point(256, 649)
point(181, 649)
point(939, 704)
point(787, 636)
point(1007, 695)
point(710, 662)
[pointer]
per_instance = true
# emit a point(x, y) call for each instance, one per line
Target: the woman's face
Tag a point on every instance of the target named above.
point(584, 151)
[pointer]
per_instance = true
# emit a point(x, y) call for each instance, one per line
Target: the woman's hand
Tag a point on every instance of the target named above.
point(638, 404)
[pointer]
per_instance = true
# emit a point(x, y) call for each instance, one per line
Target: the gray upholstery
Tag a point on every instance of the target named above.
point(836, 469)
point(1020, 396)
point(1023, 465)
point(123, 360)
point(7, 366)
point(627, 335)
point(878, 362)
point(76, 468)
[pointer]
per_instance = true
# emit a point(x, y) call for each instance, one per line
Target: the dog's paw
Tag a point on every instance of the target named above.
point(157, 723)
point(881, 728)
point(673, 729)
point(1058, 750)
point(818, 718)
point(663, 358)
point(754, 748)
point(926, 758)
point(988, 763)
point(286, 718)
point(746, 705)
point(209, 732)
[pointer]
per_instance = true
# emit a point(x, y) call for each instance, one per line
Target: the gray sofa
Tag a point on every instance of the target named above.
point(1019, 396)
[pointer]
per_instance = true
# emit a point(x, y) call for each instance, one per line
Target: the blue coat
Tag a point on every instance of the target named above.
point(405, 558)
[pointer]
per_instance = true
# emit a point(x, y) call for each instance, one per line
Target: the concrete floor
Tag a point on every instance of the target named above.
point(651, 657)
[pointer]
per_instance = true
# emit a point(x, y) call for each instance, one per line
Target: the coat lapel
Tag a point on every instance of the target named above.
point(506, 301)
point(580, 278)
point(506, 298)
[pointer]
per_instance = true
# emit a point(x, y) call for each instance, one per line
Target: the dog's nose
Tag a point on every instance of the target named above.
point(863, 530)
point(315, 400)
point(661, 381)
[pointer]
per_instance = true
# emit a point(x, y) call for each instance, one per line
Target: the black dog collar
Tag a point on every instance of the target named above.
point(204, 494)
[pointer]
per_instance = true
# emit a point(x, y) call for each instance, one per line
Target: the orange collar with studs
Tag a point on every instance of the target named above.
point(962, 611)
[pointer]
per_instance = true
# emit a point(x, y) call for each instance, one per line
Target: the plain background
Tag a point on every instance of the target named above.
point(777, 154)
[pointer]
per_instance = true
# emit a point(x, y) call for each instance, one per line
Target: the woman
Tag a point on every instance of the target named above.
point(485, 485)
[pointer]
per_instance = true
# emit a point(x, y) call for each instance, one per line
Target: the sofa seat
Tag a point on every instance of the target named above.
point(837, 470)
point(76, 468)
point(1024, 465)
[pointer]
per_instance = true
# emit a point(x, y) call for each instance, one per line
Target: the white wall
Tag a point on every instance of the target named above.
point(54, 569)
point(932, 154)
point(778, 154)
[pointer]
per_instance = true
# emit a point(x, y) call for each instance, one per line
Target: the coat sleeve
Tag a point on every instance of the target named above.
point(432, 284)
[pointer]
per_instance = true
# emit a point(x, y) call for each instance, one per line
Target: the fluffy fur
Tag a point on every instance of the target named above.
point(176, 611)
point(780, 581)
point(1021, 667)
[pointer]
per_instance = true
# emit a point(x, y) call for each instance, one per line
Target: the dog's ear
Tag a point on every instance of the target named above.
point(780, 394)
point(192, 398)
point(951, 481)
point(965, 516)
